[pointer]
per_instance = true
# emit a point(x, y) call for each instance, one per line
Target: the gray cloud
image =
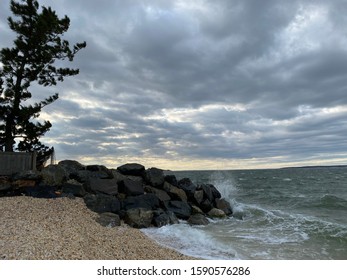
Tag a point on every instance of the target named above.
point(202, 84)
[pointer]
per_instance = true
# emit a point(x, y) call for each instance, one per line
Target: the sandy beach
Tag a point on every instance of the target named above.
point(65, 229)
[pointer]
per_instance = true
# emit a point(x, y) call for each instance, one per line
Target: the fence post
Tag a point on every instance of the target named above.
point(33, 160)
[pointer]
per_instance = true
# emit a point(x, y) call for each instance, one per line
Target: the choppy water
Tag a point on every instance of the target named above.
point(296, 213)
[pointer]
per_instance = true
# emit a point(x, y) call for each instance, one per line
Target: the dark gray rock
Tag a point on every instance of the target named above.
point(71, 166)
point(215, 192)
point(187, 185)
point(135, 178)
point(198, 197)
point(106, 186)
point(92, 172)
point(196, 210)
point(171, 179)
point(82, 176)
point(198, 219)
point(5, 184)
point(206, 205)
point(40, 191)
point(207, 191)
point(180, 208)
point(139, 217)
point(108, 219)
point(54, 175)
point(101, 203)
point(96, 171)
point(174, 192)
point(118, 176)
point(100, 171)
point(162, 218)
point(161, 194)
point(173, 217)
point(134, 169)
point(147, 201)
point(224, 205)
point(68, 195)
point(155, 177)
point(131, 188)
point(29, 175)
point(216, 213)
point(73, 187)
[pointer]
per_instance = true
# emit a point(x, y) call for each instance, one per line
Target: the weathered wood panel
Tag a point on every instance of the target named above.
point(16, 162)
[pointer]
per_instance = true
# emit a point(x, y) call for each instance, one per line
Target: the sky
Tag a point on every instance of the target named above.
point(200, 84)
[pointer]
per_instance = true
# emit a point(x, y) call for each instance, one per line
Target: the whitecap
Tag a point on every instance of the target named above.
point(191, 240)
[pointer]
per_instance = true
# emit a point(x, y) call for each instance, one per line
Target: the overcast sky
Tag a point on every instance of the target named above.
point(201, 84)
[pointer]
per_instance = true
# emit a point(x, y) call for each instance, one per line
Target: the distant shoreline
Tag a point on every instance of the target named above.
point(316, 166)
point(273, 168)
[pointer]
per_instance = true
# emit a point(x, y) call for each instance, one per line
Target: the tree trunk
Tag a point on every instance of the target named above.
point(10, 131)
point(9, 138)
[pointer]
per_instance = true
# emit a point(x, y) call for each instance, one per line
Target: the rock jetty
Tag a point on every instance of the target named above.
point(131, 193)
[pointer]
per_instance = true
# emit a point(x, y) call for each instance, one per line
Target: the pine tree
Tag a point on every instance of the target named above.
point(37, 48)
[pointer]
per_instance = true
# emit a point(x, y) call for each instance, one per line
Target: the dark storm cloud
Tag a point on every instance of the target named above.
point(260, 81)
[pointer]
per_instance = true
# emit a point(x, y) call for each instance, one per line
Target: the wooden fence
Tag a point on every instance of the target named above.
point(15, 162)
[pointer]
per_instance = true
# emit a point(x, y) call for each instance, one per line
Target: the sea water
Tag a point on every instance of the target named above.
point(291, 214)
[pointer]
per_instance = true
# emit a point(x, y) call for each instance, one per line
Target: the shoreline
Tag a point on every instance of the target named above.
point(65, 229)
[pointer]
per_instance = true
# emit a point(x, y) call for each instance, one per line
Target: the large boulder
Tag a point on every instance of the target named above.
point(216, 213)
point(26, 181)
point(173, 217)
point(91, 172)
point(108, 219)
point(163, 218)
point(215, 192)
point(101, 203)
point(147, 201)
point(71, 166)
point(171, 179)
point(187, 185)
point(160, 218)
point(196, 210)
point(5, 184)
point(198, 196)
point(138, 217)
point(155, 177)
point(28, 175)
point(224, 205)
point(106, 186)
point(131, 188)
point(118, 176)
point(100, 171)
point(161, 194)
point(23, 184)
point(82, 176)
point(134, 169)
point(54, 175)
point(73, 187)
point(207, 191)
point(39, 191)
point(174, 192)
point(180, 208)
point(206, 205)
point(198, 219)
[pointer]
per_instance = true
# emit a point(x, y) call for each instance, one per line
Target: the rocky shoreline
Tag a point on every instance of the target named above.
point(137, 196)
point(65, 229)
